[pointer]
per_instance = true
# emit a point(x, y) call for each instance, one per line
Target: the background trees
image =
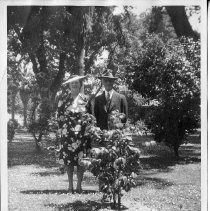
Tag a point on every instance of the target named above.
point(57, 40)
point(164, 68)
point(168, 76)
point(155, 64)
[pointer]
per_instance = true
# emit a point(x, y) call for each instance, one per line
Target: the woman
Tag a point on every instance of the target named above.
point(75, 143)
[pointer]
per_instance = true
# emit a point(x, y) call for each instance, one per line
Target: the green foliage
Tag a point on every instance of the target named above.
point(12, 125)
point(115, 159)
point(53, 39)
point(169, 73)
point(39, 118)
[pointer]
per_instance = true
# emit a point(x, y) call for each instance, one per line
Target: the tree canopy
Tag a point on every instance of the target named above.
point(155, 53)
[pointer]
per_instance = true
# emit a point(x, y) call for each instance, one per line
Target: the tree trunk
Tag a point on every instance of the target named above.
point(38, 148)
point(25, 115)
point(176, 151)
point(80, 58)
point(13, 104)
point(180, 22)
point(37, 141)
point(24, 95)
point(59, 77)
point(13, 107)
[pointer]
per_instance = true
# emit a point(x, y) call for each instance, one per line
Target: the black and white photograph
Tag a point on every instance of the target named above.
point(104, 106)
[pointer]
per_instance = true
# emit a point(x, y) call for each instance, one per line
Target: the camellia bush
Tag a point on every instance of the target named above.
point(114, 159)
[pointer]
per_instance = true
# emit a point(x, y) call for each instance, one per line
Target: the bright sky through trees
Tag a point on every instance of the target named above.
point(138, 9)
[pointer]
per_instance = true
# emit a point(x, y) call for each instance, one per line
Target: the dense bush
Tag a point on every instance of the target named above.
point(12, 125)
point(169, 73)
point(115, 159)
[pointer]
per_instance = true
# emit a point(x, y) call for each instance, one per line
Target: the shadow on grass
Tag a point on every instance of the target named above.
point(62, 191)
point(190, 150)
point(194, 138)
point(47, 173)
point(160, 157)
point(157, 183)
point(83, 206)
point(24, 153)
point(164, 163)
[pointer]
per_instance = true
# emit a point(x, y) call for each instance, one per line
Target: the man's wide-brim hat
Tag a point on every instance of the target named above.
point(74, 78)
point(107, 74)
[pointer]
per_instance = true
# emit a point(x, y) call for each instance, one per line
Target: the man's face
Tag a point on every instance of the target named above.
point(108, 83)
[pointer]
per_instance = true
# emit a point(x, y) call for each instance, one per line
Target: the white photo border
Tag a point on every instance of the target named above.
point(3, 78)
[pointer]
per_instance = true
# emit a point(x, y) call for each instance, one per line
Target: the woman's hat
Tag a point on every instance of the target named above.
point(107, 74)
point(74, 78)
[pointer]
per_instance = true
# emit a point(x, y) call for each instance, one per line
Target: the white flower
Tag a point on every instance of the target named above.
point(80, 155)
point(64, 131)
point(78, 142)
point(64, 154)
point(77, 128)
point(74, 145)
point(62, 118)
point(66, 112)
point(76, 110)
point(70, 148)
point(134, 175)
point(60, 103)
point(61, 162)
point(59, 131)
point(69, 108)
point(147, 144)
point(65, 126)
point(152, 143)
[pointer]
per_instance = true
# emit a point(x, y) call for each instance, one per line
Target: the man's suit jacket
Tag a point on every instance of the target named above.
point(102, 110)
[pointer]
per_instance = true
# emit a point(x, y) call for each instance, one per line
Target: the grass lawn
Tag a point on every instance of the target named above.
point(35, 182)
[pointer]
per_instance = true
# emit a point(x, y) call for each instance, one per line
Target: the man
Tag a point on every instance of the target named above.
point(108, 101)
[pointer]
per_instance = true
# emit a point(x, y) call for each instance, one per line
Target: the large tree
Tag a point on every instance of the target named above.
point(181, 22)
point(57, 40)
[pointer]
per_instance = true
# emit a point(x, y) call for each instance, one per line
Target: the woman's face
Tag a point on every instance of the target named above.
point(75, 86)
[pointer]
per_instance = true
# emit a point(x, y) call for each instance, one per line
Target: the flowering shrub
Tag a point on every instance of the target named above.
point(115, 160)
point(113, 157)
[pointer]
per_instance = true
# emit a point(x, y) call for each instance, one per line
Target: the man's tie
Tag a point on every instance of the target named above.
point(108, 98)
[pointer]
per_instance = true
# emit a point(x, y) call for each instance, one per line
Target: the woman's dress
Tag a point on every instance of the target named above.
point(73, 121)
